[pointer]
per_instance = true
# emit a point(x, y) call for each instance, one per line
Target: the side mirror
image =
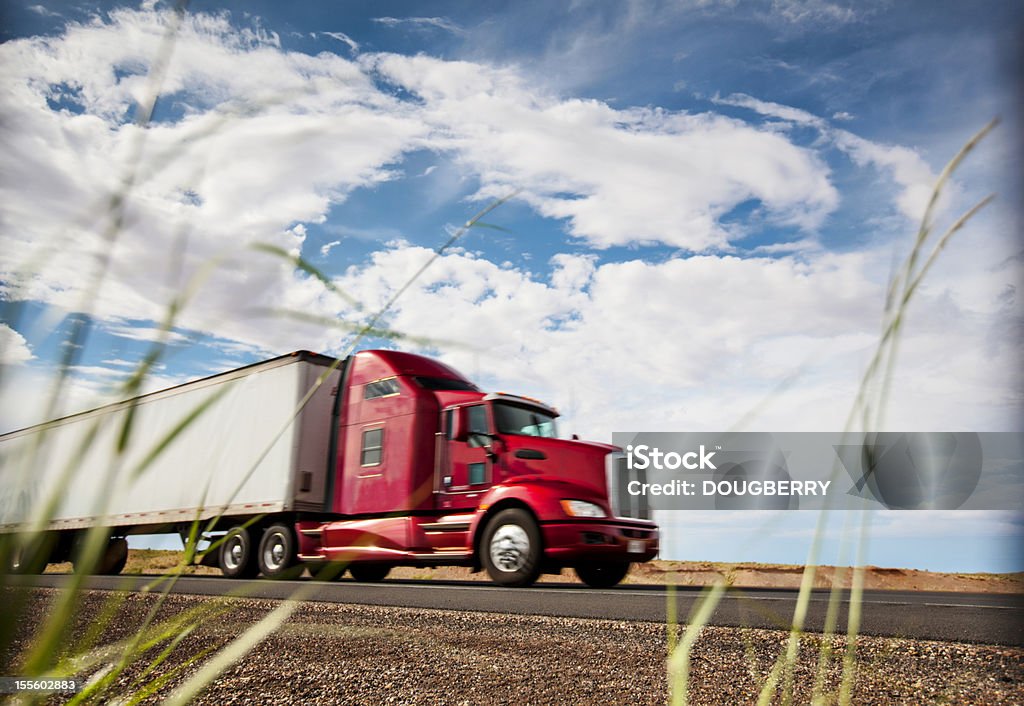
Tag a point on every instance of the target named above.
point(484, 441)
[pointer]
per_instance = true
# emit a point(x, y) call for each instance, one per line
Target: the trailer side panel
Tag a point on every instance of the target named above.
point(238, 456)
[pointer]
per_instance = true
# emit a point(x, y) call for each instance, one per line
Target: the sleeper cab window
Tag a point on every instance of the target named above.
point(381, 388)
point(373, 447)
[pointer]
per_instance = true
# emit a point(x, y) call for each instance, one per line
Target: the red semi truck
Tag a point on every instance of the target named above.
point(393, 459)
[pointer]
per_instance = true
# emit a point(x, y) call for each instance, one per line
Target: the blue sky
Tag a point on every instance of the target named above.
point(710, 198)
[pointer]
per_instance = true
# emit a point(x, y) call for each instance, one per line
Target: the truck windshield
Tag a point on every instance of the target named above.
point(528, 421)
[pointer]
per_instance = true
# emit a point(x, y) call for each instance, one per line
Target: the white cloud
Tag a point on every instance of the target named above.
point(42, 11)
point(812, 11)
point(265, 139)
point(14, 349)
point(421, 23)
point(326, 248)
point(257, 141)
point(123, 363)
point(344, 38)
point(617, 176)
point(906, 167)
point(775, 110)
point(147, 333)
point(695, 343)
point(26, 395)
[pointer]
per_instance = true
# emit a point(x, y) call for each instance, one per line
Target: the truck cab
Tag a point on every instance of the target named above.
point(431, 470)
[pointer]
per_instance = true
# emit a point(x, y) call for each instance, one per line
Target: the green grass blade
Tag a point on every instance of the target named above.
point(302, 264)
point(679, 658)
point(235, 651)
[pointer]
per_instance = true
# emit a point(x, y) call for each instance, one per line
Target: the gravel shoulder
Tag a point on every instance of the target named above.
point(346, 654)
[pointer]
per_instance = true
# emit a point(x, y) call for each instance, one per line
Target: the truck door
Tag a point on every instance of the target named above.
point(466, 472)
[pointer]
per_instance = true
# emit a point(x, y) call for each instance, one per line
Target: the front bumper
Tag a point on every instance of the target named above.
point(573, 541)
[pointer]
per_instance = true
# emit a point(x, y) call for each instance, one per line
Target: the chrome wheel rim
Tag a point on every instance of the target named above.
point(273, 552)
point(510, 548)
point(233, 552)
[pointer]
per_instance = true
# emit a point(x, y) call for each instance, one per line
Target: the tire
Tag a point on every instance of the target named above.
point(114, 558)
point(25, 560)
point(511, 549)
point(326, 570)
point(110, 561)
point(603, 574)
point(277, 555)
point(369, 573)
point(236, 558)
point(31, 556)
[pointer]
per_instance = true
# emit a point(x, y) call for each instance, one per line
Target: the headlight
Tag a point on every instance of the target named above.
point(581, 508)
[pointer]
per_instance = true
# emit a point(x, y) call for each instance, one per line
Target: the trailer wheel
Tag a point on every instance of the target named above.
point(603, 574)
point(511, 548)
point(114, 558)
point(277, 556)
point(110, 562)
point(369, 573)
point(25, 560)
point(237, 558)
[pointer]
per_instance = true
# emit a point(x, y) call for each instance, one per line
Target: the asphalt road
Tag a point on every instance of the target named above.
point(994, 619)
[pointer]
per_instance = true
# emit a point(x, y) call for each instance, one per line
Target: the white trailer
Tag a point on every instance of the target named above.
point(234, 446)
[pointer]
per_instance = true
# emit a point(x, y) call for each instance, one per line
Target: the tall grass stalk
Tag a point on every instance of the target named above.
point(869, 405)
point(679, 657)
point(902, 287)
point(853, 619)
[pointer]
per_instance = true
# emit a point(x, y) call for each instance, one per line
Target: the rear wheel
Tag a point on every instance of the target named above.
point(277, 556)
point(511, 548)
point(237, 558)
point(603, 574)
point(370, 573)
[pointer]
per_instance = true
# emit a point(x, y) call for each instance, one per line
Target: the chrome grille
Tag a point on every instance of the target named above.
point(619, 477)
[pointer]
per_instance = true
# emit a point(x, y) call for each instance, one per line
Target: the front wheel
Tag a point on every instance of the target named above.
point(277, 556)
point(369, 573)
point(511, 548)
point(603, 574)
point(326, 570)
